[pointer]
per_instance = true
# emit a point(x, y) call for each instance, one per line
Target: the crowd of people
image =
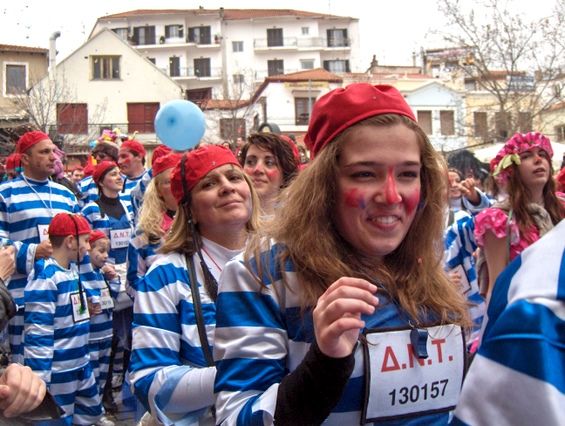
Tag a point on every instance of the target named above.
point(360, 278)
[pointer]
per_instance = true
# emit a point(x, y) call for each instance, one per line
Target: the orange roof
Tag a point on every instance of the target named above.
point(212, 104)
point(229, 14)
point(12, 48)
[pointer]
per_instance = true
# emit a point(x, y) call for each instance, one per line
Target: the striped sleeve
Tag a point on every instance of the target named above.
point(522, 353)
point(251, 346)
point(166, 344)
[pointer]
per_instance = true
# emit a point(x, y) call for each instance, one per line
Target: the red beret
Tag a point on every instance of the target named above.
point(100, 170)
point(199, 163)
point(166, 162)
point(29, 139)
point(343, 107)
point(96, 235)
point(68, 224)
point(13, 161)
point(134, 146)
point(77, 168)
point(159, 152)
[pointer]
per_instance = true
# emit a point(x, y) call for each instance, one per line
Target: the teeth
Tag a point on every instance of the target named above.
point(386, 220)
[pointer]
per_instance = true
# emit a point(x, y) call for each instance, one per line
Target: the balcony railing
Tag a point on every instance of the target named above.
point(191, 72)
point(302, 43)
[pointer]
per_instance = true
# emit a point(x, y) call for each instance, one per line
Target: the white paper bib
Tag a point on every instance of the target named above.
point(401, 385)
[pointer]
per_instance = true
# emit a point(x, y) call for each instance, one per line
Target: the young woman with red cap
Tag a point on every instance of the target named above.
point(531, 209)
point(270, 161)
point(339, 312)
point(172, 369)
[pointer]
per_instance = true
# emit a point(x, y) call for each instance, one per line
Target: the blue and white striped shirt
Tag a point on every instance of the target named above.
point(54, 342)
point(262, 335)
point(517, 376)
point(26, 208)
point(167, 352)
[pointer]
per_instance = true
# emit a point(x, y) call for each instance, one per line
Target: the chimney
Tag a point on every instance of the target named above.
point(53, 54)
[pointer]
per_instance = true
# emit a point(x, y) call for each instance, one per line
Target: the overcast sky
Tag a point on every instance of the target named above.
point(390, 29)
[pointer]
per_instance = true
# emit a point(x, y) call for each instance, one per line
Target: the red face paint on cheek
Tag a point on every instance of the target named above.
point(392, 196)
point(411, 202)
point(273, 174)
point(248, 170)
point(355, 199)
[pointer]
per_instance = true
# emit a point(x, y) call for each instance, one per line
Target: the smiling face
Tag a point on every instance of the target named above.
point(221, 201)
point(261, 166)
point(378, 188)
point(534, 168)
point(39, 160)
point(112, 183)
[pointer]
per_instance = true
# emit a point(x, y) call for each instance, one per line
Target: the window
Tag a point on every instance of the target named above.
point(469, 84)
point(200, 35)
point(337, 38)
point(237, 46)
point(238, 79)
point(232, 128)
point(451, 65)
point(72, 119)
point(275, 37)
point(123, 33)
point(447, 123)
point(337, 66)
point(525, 122)
point(275, 67)
point(305, 30)
point(199, 96)
point(302, 108)
point(174, 66)
point(15, 82)
point(560, 133)
point(480, 124)
point(105, 67)
point(141, 117)
point(307, 64)
point(425, 121)
point(202, 67)
point(501, 120)
point(174, 31)
point(144, 35)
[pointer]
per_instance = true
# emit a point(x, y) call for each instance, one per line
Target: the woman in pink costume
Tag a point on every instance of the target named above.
point(531, 209)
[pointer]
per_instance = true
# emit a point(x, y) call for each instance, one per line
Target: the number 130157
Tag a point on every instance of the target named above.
point(416, 393)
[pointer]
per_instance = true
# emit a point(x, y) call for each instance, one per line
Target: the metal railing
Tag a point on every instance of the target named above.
point(302, 43)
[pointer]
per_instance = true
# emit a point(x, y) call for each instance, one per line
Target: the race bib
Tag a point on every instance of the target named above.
point(43, 232)
point(120, 238)
point(400, 384)
point(80, 311)
point(106, 301)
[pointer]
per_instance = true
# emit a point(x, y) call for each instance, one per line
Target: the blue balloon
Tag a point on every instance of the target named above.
point(180, 124)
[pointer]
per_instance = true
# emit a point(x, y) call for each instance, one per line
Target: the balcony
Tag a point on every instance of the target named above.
point(192, 73)
point(301, 43)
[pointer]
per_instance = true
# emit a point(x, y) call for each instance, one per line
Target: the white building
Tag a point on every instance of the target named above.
point(227, 53)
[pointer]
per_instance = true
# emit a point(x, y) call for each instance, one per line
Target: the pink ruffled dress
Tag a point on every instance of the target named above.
point(493, 219)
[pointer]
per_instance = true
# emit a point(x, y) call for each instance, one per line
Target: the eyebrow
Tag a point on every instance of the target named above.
point(377, 164)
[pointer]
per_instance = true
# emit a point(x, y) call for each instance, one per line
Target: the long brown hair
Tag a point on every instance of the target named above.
point(303, 223)
point(519, 195)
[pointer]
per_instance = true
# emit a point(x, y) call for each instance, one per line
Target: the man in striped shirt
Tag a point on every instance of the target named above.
point(27, 205)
